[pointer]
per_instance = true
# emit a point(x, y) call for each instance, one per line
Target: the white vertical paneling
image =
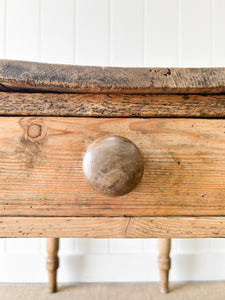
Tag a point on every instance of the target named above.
point(92, 32)
point(22, 29)
point(218, 245)
point(125, 245)
point(127, 33)
point(218, 23)
point(92, 246)
point(108, 268)
point(22, 267)
point(2, 28)
point(15, 245)
point(161, 27)
point(67, 246)
point(195, 33)
point(194, 245)
point(2, 245)
point(57, 31)
point(150, 245)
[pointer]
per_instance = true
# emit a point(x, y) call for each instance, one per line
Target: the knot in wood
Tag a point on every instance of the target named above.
point(34, 130)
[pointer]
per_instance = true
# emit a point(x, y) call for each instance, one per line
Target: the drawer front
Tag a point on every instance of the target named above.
point(41, 167)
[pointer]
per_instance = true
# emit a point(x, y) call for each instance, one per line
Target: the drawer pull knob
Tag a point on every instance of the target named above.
point(113, 165)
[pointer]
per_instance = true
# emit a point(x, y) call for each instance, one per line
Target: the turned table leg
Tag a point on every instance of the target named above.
point(52, 263)
point(164, 263)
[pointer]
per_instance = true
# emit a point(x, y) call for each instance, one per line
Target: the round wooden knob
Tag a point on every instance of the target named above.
point(113, 165)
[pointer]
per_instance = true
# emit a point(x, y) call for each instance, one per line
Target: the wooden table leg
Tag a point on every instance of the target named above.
point(164, 263)
point(52, 263)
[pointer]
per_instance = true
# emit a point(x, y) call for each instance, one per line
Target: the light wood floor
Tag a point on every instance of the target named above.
point(187, 291)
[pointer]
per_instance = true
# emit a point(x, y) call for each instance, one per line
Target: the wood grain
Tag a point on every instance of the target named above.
point(112, 105)
point(183, 158)
point(29, 76)
point(113, 165)
point(113, 227)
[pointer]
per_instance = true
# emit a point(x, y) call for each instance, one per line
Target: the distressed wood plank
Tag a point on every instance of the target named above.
point(113, 227)
point(184, 167)
point(28, 76)
point(111, 105)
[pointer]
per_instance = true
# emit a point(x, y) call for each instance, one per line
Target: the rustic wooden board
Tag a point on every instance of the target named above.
point(113, 227)
point(184, 167)
point(20, 76)
point(112, 105)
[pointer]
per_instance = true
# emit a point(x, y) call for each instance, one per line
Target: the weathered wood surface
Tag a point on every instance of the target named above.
point(183, 161)
point(29, 76)
point(113, 227)
point(112, 105)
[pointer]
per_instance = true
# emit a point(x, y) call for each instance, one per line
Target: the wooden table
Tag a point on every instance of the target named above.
point(111, 153)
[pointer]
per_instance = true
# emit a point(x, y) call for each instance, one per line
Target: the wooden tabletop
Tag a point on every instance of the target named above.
point(41, 77)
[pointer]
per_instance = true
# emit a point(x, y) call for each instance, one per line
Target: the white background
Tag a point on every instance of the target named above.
point(183, 33)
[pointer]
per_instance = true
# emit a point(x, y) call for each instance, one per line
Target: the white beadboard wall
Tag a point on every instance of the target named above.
point(162, 33)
